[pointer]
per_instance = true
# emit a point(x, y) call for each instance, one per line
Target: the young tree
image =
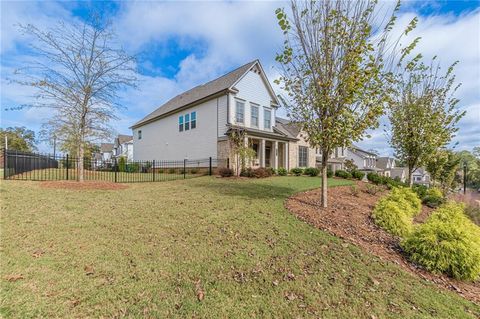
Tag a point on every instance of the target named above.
point(77, 73)
point(332, 66)
point(422, 112)
point(18, 138)
point(242, 152)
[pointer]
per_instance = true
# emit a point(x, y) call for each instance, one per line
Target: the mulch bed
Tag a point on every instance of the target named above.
point(349, 217)
point(86, 185)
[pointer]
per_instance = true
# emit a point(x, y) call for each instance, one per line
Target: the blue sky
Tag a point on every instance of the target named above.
point(182, 44)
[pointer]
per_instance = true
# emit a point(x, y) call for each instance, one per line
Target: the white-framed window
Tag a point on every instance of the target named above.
point(267, 119)
point(180, 123)
point(187, 122)
point(254, 115)
point(302, 156)
point(139, 134)
point(193, 120)
point(239, 112)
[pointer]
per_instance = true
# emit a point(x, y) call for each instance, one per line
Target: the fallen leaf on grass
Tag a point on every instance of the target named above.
point(199, 291)
point(38, 253)
point(14, 277)
point(89, 270)
point(290, 296)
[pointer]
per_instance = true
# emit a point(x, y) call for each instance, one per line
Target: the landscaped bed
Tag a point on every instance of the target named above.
point(349, 217)
point(206, 247)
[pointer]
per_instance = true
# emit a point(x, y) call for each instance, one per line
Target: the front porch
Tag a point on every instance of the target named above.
point(268, 152)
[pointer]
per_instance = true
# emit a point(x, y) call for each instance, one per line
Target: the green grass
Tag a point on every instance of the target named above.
point(150, 244)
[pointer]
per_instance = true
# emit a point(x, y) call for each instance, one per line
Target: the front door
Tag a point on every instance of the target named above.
point(267, 156)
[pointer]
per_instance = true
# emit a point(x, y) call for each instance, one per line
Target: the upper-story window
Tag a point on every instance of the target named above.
point(139, 134)
point(267, 119)
point(180, 123)
point(254, 111)
point(240, 112)
point(187, 122)
point(193, 120)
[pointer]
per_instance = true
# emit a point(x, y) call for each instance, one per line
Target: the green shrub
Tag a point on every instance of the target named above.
point(121, 164)
point(433, 197)
point(374, 178)
point(329, 173)
point(391, 183)
point(225, 172)
point(393, 217)
point(131, 168)
point(372, 189)
point(311, 171)
point(448, 242)
point(282, 171)
point(354, 190)
point(421, 190)
point(297, 171)
point(395, 212)
point(247, 172)
point(271, 170)
point(343, 174)
point(357, 174)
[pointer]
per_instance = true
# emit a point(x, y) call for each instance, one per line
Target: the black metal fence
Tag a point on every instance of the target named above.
point(46, 167)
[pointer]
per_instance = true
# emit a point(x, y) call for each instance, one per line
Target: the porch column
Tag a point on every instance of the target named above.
point(262, 151)
point(285, 156)
point(275, 161)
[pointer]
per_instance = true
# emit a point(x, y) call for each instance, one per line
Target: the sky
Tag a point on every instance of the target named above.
point(183, 44)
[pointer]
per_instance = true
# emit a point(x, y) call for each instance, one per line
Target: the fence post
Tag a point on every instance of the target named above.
point(184, 168)
point(228, 162)
point(67, 166)
point(5, 161)
point(115, 168)
point(210, 166)
point(153, 170)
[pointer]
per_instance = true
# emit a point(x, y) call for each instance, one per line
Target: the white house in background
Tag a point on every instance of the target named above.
point(106, 151)
point(123, 147)
point(364, 160)
point(196, 124)
point(421, 176)
point(336, 160)
point(399, 173)
point(385, 165)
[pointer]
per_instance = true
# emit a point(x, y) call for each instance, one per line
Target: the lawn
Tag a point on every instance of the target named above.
point(155, 249)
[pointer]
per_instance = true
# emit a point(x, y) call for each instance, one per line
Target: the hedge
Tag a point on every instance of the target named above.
point(343, 174)
point(311, 171)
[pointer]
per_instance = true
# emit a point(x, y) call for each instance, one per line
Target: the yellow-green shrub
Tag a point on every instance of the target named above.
point(394, 213)
point(393, 217)
point(448, 242)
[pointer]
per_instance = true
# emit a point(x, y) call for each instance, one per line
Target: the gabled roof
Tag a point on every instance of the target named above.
point(222, 84)
point(124, 138)
point(357, 150)
point(106, 147)
point(382, 162)
point(287, 127)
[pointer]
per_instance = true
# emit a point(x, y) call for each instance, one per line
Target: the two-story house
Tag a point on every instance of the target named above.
point(123, 147)
point(196, 124)
point(364, 160)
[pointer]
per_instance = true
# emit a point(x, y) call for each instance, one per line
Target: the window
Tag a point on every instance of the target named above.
point(267, 119)
point(193, 120)
point(239, 112)
point(187, 122)
point(139, 134)
point(180, 123)
point(254, 112)
point(302, 156)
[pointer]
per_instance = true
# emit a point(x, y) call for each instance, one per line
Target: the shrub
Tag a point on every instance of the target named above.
point(343, 174)
point(311, 171)
point(132, 168)
point(282, 171)
point(247, 172)
point(473, 212)
point(121, 164)
point(433, 197)
point(297, 171)
point(395, 212)
point(374, 178)
point(271, 170)
point(421, 190)
point(391, 183)
point(262, 172)
point(193, 171)
point(372, 189)
point(354, 190)
point(329, 173)
point(225, 172)
point(448, 242)
point(357, 174)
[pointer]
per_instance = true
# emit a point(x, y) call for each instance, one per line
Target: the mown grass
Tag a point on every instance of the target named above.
point(147, 251)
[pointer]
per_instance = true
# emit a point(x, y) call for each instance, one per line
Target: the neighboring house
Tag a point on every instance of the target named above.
point(364, 160)
point(336, 160)
point(123, 147)
point(196, 124)
point(421, 176)
point(399, 173)
point(106, 151)
point(385, 165)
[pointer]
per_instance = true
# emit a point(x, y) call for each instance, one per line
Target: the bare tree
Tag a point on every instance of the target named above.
point(77, 72)
point(332, 68)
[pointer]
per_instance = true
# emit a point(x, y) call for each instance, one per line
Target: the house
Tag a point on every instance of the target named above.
point(197, 124)
point(123, 147)
point(385, 165)
point(106, 151)
point(399, 173)
point(421, 176)
point(336, 160)
point(364, 160)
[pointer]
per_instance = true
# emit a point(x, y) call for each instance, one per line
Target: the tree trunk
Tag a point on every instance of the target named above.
point(81, 152)
point(410, 180)
point(324, 180)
